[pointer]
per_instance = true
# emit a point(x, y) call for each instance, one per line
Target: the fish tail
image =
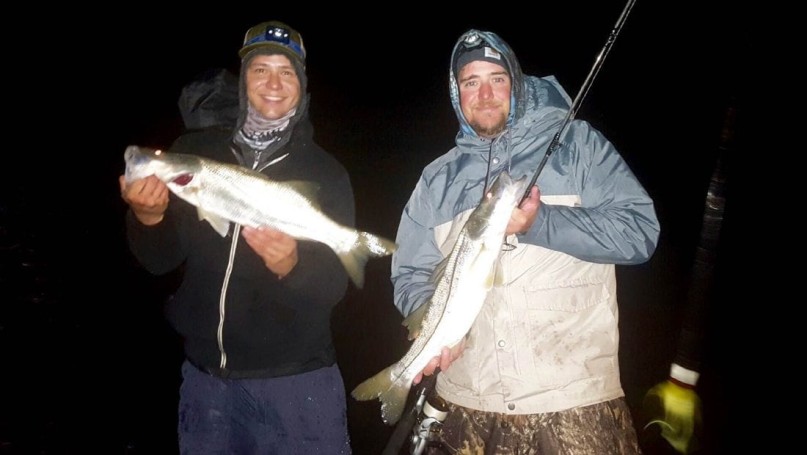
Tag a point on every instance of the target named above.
point(377, 246)
point(374, 386)
point(354, 263)
point(392, 394)
point(393, 402)
point(367, 246)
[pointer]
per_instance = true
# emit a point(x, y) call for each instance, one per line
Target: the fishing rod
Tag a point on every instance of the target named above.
point(578, 100)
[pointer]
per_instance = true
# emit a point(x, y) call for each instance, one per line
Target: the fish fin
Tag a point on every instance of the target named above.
point(221, 225)
point(495, 276)
point(498, 274)
point(439, 270)
point(393, 402)
point(306, 189)
point(392, 394)
point(414, 322)
point(374, 386)
point(469, 340)
point(367, 246)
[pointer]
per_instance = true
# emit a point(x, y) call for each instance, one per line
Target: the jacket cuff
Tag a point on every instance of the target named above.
point(684, 376)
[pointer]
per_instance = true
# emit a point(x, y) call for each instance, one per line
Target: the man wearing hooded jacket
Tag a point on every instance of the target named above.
point(538, 372)
point(253, 307)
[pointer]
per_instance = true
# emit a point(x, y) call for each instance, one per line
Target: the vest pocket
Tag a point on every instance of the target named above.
point(572, 296)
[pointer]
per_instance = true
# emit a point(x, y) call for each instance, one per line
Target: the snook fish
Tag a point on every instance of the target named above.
point(225, 193)
point(463, 280)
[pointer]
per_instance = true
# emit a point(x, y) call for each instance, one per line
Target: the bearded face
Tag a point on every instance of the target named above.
point(485, 96)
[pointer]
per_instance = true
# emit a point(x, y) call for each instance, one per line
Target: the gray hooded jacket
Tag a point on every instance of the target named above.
point(547, 339)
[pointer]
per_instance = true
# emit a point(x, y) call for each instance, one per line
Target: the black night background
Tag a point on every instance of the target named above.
point(89, 363)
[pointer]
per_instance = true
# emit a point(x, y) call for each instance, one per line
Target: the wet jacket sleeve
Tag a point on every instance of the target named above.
point(417, 254)
point(616, 222)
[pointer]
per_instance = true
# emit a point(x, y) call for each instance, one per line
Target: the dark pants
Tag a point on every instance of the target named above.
point(300, 414)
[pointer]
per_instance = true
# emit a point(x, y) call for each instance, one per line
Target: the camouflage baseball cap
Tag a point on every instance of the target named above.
point(277, 36)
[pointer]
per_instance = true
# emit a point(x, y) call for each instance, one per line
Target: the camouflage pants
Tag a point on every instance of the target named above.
point(600, 429)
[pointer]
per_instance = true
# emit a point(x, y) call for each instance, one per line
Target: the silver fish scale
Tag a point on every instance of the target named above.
point(463, 286)
point(244, 196)
point(443, 324)
point(233, 196)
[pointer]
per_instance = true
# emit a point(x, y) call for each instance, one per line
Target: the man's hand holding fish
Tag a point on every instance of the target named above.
point(148, 198)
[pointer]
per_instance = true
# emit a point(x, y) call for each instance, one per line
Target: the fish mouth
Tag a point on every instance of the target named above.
point(130, 152)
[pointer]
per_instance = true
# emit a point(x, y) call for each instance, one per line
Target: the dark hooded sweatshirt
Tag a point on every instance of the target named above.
point(237, 319)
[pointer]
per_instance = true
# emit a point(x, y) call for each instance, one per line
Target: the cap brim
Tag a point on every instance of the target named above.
point(269, 48)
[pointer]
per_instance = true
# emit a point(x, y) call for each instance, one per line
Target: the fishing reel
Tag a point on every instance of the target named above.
point(428, 423)
point(421, 425)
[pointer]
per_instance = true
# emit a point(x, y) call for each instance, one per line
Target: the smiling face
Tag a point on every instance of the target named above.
point(485, 96)
point(273, 87)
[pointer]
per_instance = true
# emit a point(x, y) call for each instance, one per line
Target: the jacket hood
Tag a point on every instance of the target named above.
point(477, 38)
point(210, 99)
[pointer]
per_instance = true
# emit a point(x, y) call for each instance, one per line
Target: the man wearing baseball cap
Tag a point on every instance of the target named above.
point(254, 307)
point(538, 372)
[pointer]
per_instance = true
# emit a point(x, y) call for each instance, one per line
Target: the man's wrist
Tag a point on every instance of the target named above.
point(150, 220)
